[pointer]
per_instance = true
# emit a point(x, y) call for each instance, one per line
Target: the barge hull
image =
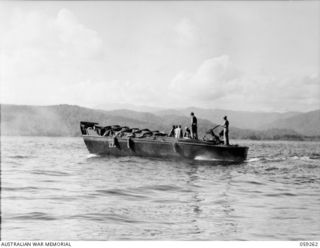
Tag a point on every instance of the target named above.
point(164, 148)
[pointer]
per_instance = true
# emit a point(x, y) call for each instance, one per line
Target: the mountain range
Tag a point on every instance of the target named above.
point(240, 119)
point(63, 120)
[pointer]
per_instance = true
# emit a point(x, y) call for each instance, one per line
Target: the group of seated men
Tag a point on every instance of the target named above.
point(177, 132)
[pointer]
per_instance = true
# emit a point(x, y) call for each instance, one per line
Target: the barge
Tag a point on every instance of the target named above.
point(125, 141)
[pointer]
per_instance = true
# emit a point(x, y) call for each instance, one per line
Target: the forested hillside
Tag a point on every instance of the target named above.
point(63, 120)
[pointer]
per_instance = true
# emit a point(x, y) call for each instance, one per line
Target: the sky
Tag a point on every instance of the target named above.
point(237, 55)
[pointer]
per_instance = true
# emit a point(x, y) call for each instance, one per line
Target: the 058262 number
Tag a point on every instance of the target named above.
point(309, 243)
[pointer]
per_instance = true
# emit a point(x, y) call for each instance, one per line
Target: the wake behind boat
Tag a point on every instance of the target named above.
point(124, 141)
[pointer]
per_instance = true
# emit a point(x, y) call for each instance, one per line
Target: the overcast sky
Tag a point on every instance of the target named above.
point(256, 56)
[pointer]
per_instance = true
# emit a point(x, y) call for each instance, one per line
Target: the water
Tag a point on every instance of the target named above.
point(53, 189)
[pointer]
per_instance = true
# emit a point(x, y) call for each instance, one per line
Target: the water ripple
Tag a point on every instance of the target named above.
point(50, 173)
point(33, 216)
point(118, 192)
point(274, 195)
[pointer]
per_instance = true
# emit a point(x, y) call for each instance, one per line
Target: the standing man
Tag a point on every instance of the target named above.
point(226, 131)
point(177, 132)
point(172, 133)
point(181, 132)
point(194, 126)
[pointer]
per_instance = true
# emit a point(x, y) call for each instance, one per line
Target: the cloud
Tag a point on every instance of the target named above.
point(51, 59)
point(291, 93)
point(57, 59)
point(212, 80)
point(42, 53)
point(218, 83)
point(60, 35)
point(76, 39)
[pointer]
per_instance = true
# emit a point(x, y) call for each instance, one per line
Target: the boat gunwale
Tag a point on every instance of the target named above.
point(203, 143)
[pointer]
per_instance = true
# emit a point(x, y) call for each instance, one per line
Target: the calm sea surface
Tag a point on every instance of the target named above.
point(53, 189)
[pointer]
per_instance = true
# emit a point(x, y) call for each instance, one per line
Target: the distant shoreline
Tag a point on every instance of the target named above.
point(64, 121)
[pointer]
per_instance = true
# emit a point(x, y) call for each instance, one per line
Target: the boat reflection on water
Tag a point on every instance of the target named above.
point(197, 195)
point(219, 214)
